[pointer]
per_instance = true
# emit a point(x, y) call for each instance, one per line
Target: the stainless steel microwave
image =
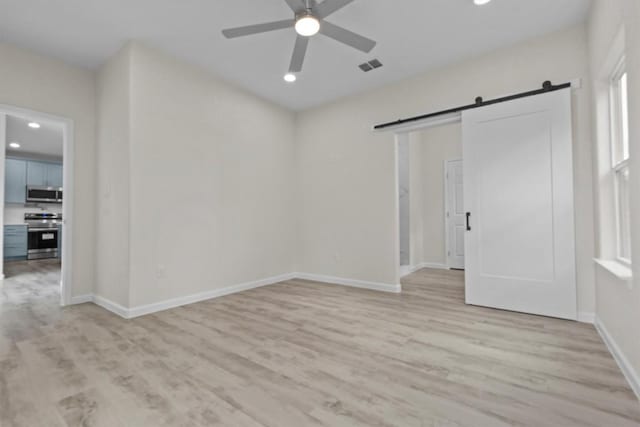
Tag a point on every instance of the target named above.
point(44, 194)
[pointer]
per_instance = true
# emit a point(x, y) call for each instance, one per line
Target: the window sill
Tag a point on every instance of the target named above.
point(621, 271)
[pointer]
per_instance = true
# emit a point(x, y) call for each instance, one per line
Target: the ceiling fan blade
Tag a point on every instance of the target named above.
point(231, 33)
point(347, 37)
point(299, 52)
point(296, 5)
point(327, 7)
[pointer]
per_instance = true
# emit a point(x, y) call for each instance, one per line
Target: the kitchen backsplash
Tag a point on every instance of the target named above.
point(14, 214)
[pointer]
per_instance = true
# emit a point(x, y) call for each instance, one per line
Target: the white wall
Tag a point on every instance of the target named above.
point(42, 84)
point(196, 181)
point(346, 173)
point(618, 303)
point(113, 179)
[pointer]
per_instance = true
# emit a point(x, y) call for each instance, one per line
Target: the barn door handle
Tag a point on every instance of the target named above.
point(468, 224)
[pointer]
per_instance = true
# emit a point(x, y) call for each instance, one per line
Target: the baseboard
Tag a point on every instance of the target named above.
point(129, 313)
point(216, 293)
point(383, 287)
point(586, 317)
point(627, 369)
point(111, 306)
point(406, 270)
point(434, 265)
point(81, 299)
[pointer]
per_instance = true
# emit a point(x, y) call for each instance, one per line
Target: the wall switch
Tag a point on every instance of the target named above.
point(576, 83)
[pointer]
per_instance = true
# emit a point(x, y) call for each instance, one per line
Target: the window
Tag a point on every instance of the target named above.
point(620, 160)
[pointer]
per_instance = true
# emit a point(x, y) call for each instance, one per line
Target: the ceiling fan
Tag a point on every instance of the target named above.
point(309, 19)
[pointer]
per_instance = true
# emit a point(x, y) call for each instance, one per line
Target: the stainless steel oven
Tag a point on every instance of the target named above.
point(44, 194)
point(43, 235)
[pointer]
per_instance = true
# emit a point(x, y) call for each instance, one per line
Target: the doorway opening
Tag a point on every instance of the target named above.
point(430, 203)
point(519, 237)
point(36, 154)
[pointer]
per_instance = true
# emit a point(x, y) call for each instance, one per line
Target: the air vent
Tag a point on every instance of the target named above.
point(375, 63)
point(371, 65)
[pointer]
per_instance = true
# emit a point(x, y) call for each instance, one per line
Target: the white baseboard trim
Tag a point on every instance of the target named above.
point(383, 287)
point(111, 306)
point(129, 313)
point(81, 299)
point(433, 265)
point(586, 317)
point(405, 270)
point(203, 296)
point(627, 369)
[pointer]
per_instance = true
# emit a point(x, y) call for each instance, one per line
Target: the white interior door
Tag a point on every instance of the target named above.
point(455, 214)
point(518, 181)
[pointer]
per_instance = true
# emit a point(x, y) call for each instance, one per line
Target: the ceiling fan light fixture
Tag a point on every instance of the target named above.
point(480, 2)
point(290, 78)
point(307, 25)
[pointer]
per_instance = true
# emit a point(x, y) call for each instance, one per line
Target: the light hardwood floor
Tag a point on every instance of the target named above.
point(301, 354)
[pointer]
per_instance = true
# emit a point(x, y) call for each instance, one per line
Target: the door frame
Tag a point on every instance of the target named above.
point(68, 174)
point(447, 246)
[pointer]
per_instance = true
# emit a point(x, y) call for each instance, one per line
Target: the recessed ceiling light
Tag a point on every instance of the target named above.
point(14, 145)
point(34, 125)
point(481, 2)
point(307, 26)
point(290, 78)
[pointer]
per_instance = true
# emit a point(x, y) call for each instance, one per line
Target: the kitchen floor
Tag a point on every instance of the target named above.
point(35, 283)
point(301, 354)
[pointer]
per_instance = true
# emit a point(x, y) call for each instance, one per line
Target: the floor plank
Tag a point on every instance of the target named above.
point(301, 354)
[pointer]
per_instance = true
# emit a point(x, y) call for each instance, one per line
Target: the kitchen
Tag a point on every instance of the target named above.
point(33, 197)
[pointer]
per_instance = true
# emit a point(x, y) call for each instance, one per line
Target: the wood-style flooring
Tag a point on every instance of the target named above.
point(301, 354)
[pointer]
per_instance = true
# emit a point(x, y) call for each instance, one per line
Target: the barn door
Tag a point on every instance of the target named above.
point(518, 181)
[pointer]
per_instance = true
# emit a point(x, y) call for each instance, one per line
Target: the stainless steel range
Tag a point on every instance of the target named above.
point(43, 234)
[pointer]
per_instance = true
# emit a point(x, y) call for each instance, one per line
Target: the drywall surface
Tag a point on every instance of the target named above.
point(113, 187)
point(211, 181)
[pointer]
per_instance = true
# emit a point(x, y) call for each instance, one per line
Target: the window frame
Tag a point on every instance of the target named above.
point(619, 152)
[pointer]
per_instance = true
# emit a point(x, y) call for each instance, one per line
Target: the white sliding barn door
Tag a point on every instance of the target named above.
point(518, 181)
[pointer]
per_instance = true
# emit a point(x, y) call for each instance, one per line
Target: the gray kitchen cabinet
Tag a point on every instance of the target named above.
point(54, 175)
point(44, 174)
point(15, 242)
point(15, 181)
point(36, 174)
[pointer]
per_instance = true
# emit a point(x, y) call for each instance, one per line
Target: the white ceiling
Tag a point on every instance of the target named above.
point(46, 142)
point(413, 36)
